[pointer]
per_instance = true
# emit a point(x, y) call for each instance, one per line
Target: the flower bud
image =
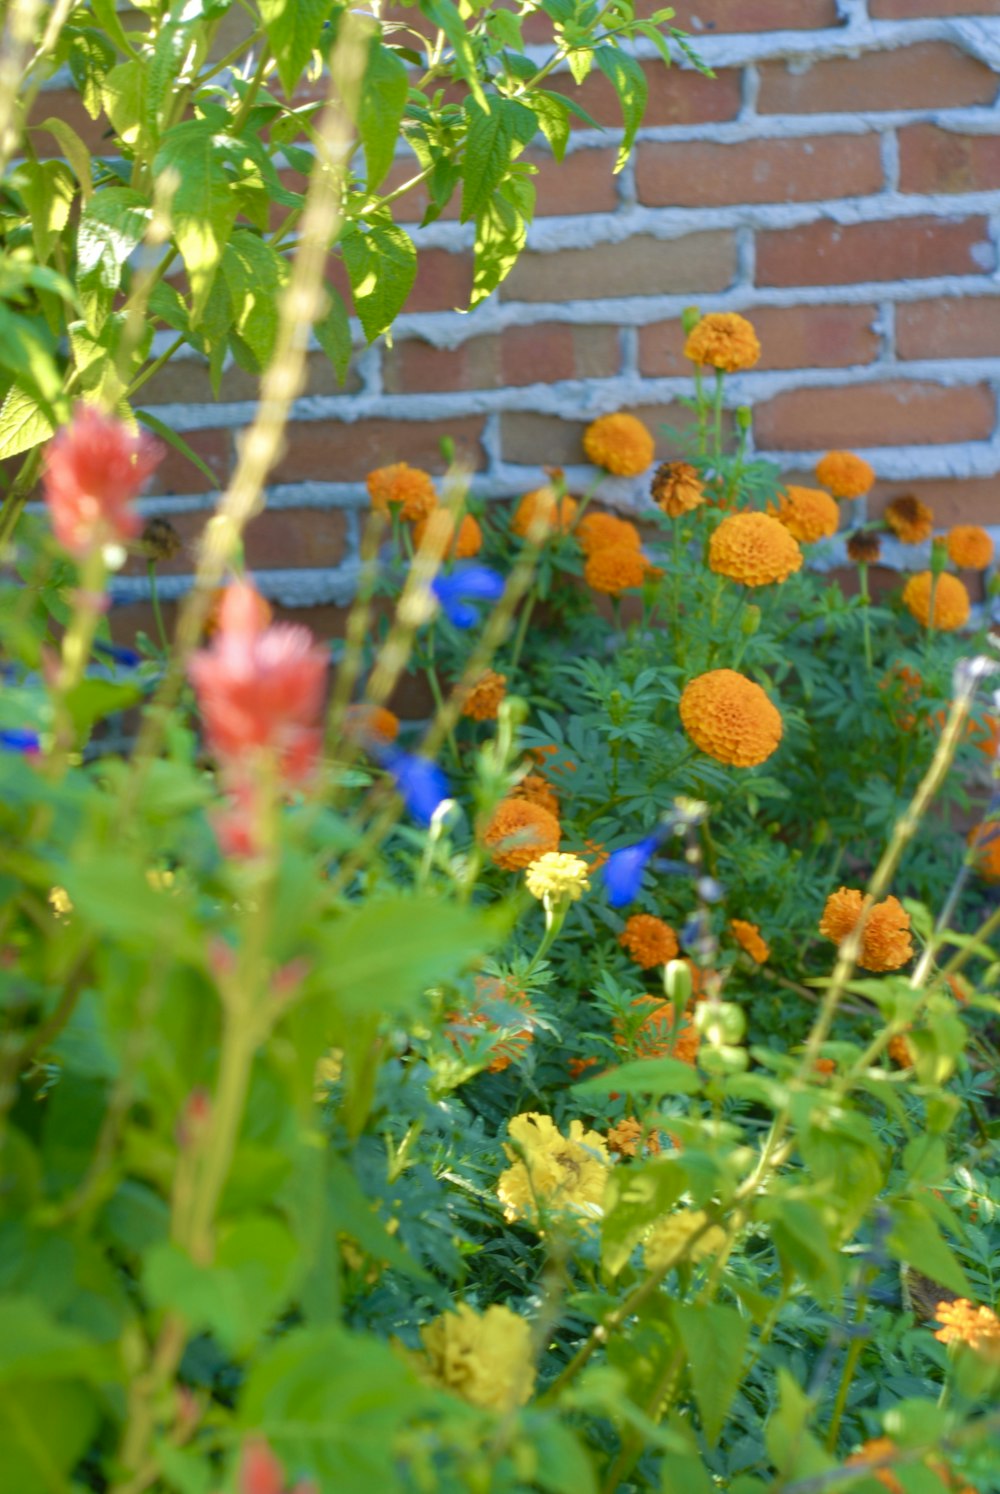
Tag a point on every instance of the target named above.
point(750, 621)
point(690, 317)
point(744, 417)
point(939, 556)
point(677, 982)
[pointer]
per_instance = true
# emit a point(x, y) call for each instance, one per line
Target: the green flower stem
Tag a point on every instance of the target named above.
point(523, 623)
point(699, 395)
point(154, 599)
point(851, 1362)
point(438, 694)
point(866, 602)
point(720, 382)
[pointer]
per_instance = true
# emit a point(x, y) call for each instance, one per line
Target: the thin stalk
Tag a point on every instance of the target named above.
point(866, 602)
point(154, 599)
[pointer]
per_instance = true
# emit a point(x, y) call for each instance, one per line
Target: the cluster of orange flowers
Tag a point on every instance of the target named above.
point(964, 1323)
point(885, 940)
point(483, 700)
point(660, 1034)
point(408, 493)
point(496, 1010)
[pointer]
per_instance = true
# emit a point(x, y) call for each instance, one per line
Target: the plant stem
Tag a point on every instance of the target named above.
point(155, 604)
point(866, 602)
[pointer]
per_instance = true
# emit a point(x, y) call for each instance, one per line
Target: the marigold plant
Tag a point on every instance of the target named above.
point(754, 549)
point(620, 443)
point(730, 718)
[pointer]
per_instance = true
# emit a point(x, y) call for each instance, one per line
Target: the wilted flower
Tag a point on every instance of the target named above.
point(160, 540)
point(421, 784)
point(723, 340)
point(677, 488)
point(730, 718)
point(620, 444)
point(951, 600)
point(482, 701)
point(561, 1174)
point(486, 1358)
point(755, 549)
point(93, 471)
point(910, 520)
point(985, 842)
point(468, 587)
point(864, 547)
point(846, 475)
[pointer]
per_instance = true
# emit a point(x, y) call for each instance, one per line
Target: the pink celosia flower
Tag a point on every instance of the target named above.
point(260, 689)
point(260, 1471)
point(94, 470)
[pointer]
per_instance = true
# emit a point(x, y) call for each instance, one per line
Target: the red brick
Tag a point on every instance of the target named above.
point(278, 539)
point(186, 381)
point(411, 366)
point(936, 160)
point(928, 75)
point(910, 10)
point(540, 440)
point(949, 329)
point(640, 266)
point(550, 352)
point(176, 474)
point(581, 183)
point(348, 452)
point(749, 15)
point(676, 97)
point(895, 413)
point(899, 249)
point(703, 174)
point(65, 104)
point(791, 337)
point(953, 501)
point(443, 283)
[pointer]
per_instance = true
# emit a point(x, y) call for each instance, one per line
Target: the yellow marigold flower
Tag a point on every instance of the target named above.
point(730, 718)
point(755, 549)
point(602, 531)
point(627, 1138)
point(562, 1174)
point(846, 475)
point(985, 842)
point(488, 1014)
point(723, 340)
point(969, 547)
point(910, 520)
point(482, 701)
point(486, 1358)
point(964, 1323)
point(542, 506)
point(519, 833)
point(537, 790)
point(620, 444)
point(677, 488)
point(658, 1035)
point(404, 487)
point(951, 600)
point(808, 513)
point(370, 724)
point(748, 937)
point(864, 547)
point(667, 1238)
point(885, 944)
point(558, 877)
point(438, 535)
point(648, 940)
point(614, 570)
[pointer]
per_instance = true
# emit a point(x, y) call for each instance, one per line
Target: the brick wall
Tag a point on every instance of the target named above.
point(838, 181)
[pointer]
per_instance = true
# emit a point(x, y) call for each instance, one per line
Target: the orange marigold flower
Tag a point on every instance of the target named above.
point(438, 535)
point(987, 737)
point(905, 687)
point(825, 1066)
point(873, 1450)
point(627, 1138)
point(846, 475)
point(864, 547)
point(620, 444)
point(404, 486)
point(657, 1036)
point(578, 1066)
point(900, 1051)
point(677, 488)
point(808, 513)
point(909, 519)
point(594, 854)
point(482, 701)
point(370, 724)
point(601, 531)
point(885, 944)
point(723, 340)
point(985, 842)
point(496, 1009)
point(755, 549)
point(966, 1323)
point(537, 790)
point(748, 936)
point(730, 718)
point(648, 940)
point(951, 600)
point(542, 506)
point(969, 547)
point(616, 569)
point(519, 833)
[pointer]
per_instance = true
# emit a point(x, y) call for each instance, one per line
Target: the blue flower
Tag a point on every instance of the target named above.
point(624, 869)
point(126, 657)
point(421, 783)
point(20, 741)
point(466, 585)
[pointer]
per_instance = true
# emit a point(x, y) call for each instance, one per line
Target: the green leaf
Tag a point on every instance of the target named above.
point(153, 423)
point(333, 333)
point(44, 1430)
point(109, 892)
point(255, 274)
point(916, 1241)
point(445, 15)
point(629, 82)
point(124, 95)
point(794, 1451)
point(111, 226)
point(29, 357)
point(644, 1076)
point(90, 57)
point(715, 1341)
point(553, 113)
point(23, 422)
point(380, 110)
point(204, 205)
point(293, 28)
point(497, 134)
point(382, 265)
point(501, 234)
point(106, 12)
point(73, 149)
point(91, 700)
point(635, 1198)
point(175, 43)
point(33, 1346)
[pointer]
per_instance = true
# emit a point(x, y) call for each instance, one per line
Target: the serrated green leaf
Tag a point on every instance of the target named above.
point(204, 205)
point(380, 110)
point(29, 356)
point(293, 28)
point(124, 95)
point(23, 422)
point(445, 15)
point(255, 274)
point(496, 136)
point(501, 234)
point(333, 333)
point(73, 149)
point(111, 226)
point(644, 1076)
point(629, 82)
point(715, 1342)
point(915, 1240)
point(90, 56)
point(178, 443)
point(382, 266)
point(553, 113)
